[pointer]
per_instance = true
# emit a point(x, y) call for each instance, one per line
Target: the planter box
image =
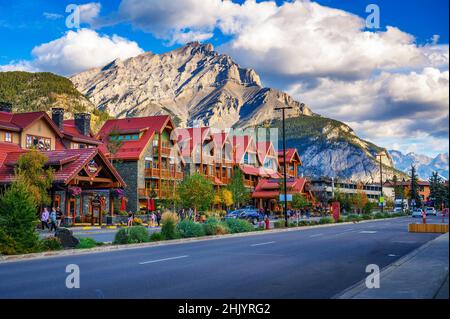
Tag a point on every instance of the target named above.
point(428, 228)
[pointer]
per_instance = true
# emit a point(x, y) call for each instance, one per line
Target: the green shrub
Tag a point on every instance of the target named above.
point(86, 243)
point(293, 224)
point(188, 228)
point(51, 243)
point(138, 234)
point(280, 223)
point(326, 220)
point(239, 226)
point(367, 216)
point(169, 225)
point(353, 218)
point(121, 237)
point(378, 216)
point(212, 226)
point(156, 237)
point(340, 220)
point(303, 223)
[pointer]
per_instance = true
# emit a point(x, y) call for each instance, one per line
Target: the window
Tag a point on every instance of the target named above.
point(40, 143)
point(8, 137)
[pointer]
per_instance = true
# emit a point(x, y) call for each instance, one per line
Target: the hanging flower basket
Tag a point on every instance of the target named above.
point(118, 193)
point(75, 191)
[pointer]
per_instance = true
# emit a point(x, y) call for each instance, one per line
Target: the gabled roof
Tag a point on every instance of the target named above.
point(270, 188)
point(71, 133)
point(20, 121)
point(133, 149)
point(6, 148)
point(291, 155)
point(70, 163)
point(241, 143)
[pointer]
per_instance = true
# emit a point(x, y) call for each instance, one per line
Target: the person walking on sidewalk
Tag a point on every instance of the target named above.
point(158, 218)
point(59, 216)
point(44, 218)
point(53, 220)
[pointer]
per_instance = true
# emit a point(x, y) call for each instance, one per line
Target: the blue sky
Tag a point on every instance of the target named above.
point(389, 85)
point(24, 26)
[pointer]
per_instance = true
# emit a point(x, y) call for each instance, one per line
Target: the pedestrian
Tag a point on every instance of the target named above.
point(53, 220)
point(158, 217)
point(130, 219)
point(152, 219)
point(59, 216)
point(190, 213)
point(44, 218)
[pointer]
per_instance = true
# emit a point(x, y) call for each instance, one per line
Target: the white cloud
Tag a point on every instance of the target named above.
point(52, 16)
point(77, 51)
point(89, 12)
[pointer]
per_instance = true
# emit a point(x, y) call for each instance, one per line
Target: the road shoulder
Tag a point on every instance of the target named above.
point(422, 274)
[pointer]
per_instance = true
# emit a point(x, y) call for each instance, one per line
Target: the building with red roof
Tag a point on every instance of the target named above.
point(145, 152)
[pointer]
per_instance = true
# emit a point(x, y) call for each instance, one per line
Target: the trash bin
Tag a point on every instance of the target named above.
point(109, 220)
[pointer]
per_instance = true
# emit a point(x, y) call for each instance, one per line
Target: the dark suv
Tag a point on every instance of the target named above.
point(252, 215)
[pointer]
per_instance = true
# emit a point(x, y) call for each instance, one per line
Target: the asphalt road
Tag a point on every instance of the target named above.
point(313, 263)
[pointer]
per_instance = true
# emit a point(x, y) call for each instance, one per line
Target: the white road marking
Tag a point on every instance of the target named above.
point(260, 244)
point(164, 259)
point(368, 232)
point(316, 235)
point(392, 255)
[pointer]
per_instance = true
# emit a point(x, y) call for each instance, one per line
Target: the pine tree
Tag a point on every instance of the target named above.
point(237, 188)
point(18, 220)
point(414, 188)
point(438, 191)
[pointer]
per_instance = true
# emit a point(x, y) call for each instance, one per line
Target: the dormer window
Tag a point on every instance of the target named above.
point(8, 137)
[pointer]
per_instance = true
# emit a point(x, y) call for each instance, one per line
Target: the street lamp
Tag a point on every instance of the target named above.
point(381, 154)
point(283, 109)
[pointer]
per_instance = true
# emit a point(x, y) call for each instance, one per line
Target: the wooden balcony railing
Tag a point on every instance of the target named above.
point(163, 173)
point(249, 183)
point(147, 192)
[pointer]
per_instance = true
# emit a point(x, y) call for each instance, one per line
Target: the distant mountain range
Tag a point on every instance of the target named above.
point(425, 165)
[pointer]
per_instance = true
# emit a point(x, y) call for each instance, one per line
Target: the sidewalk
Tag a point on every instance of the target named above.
point(422, 274)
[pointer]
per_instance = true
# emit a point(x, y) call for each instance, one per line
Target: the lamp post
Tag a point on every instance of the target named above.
point(283, 109)
point(381, 154)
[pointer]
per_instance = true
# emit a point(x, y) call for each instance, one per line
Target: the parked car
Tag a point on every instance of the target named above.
point(417, 212)
point(252, 215)
point(430, 211)
point(234, 214)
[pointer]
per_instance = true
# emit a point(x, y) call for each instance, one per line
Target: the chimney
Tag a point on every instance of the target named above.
point(83, 123)
point(58, 117)
point(5, 107)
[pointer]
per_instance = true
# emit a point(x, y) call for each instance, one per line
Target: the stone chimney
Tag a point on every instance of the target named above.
point(58, 117)
point(83, 123)
point(5, 107)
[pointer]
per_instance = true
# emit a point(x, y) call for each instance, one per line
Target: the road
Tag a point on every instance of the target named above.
point(312, 263)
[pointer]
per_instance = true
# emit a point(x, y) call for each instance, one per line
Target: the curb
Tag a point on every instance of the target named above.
point(360, 286)
point(75, 252)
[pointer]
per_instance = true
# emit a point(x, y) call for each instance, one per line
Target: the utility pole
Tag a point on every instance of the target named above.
point(381, 154)
point(284, 161)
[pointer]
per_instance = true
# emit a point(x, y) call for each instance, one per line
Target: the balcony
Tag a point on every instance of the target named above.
point(248, 183)
point(164, 173)
point(146, 192)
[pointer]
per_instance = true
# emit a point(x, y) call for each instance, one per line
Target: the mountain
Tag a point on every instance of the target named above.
point(425, 165)
point(41, 91)
point(194, 84)
point(198, 86)
point(331, 148)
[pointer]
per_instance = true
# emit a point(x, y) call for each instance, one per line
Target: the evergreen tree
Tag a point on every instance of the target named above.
point(438, 190)
point(414, 188)
point(398, 189)
point(18, 220)
point(237, 188)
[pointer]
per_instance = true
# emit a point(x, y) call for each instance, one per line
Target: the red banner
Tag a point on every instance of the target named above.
point(336, 209)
